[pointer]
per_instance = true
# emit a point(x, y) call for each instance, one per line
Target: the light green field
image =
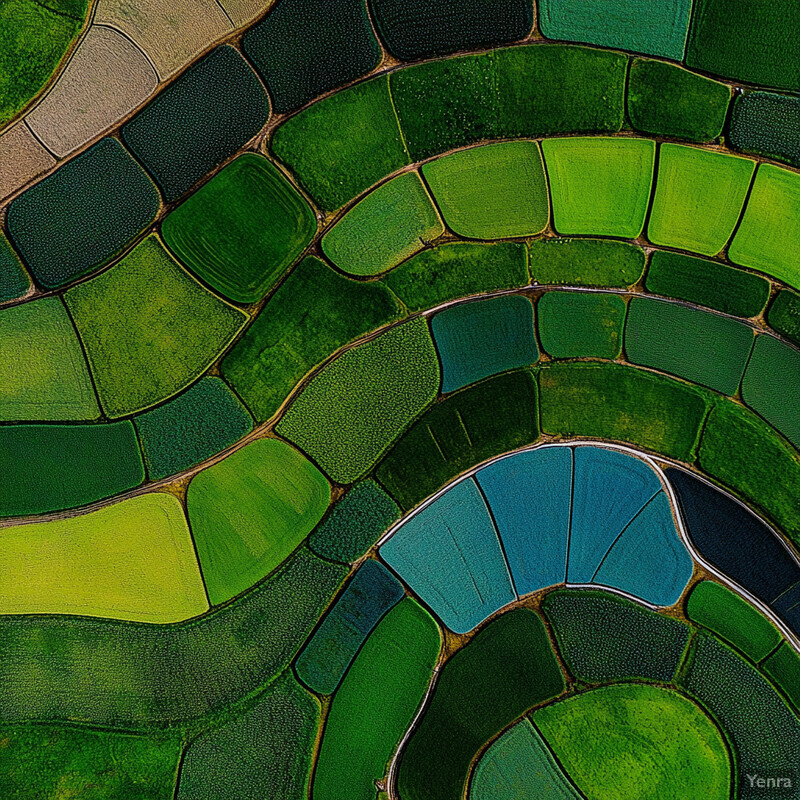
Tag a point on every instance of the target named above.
point(599, 185)
point(133, 560)
point(250, 510)
point(493, 192)
point(388, 226)
point(637, 742)
point(699, 197)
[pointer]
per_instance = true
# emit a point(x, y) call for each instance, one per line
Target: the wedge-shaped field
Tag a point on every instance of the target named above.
point(519, 766)
point(632, 741)
point(133, 560)
point(450, 555)
point(250, 510)
point(599, 185)
point(149, 328)
point(699, 197)
point(768, 239)
point(45, 372)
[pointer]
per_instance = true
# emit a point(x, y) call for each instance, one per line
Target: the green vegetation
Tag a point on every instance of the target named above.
point(195, 425)
point(496, 191)
point(636, 25)
point(585, 262)
point(467, 427)
point(300, 326)
point(605, 638)
point(508, 93)
point(634, 741)
point(385, 228)
point(574, 324)
point(344, 144)
point(457, 270)
point(352, 411)
point(14, 281)
point(505, 669)
point(745, 454)
point(707, 283)
point(754, 41)
point(139, 675)
point(149, 328)
point(250, 510)
point(784, 315)
point(783, 668)
point(600, 185)
point(242, 230)
point(52, 467)
point(367, 598)
point(43, 762)
point(519, 766)
point(484, 337)
point(611, 401)
point(773, 374)
point(266, 752)
point(732, 618)
point(763, 731)
point(387, 682)
point(764, 123)
point(697, 345)
point(355, 523)
point(132, 560)
point(82, 215)
point(667, 100)
point(699, 197)
point(33, 40)
point(45, 373)
point(767, 239)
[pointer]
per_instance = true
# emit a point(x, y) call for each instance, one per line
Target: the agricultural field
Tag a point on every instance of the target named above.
point(400, 400)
